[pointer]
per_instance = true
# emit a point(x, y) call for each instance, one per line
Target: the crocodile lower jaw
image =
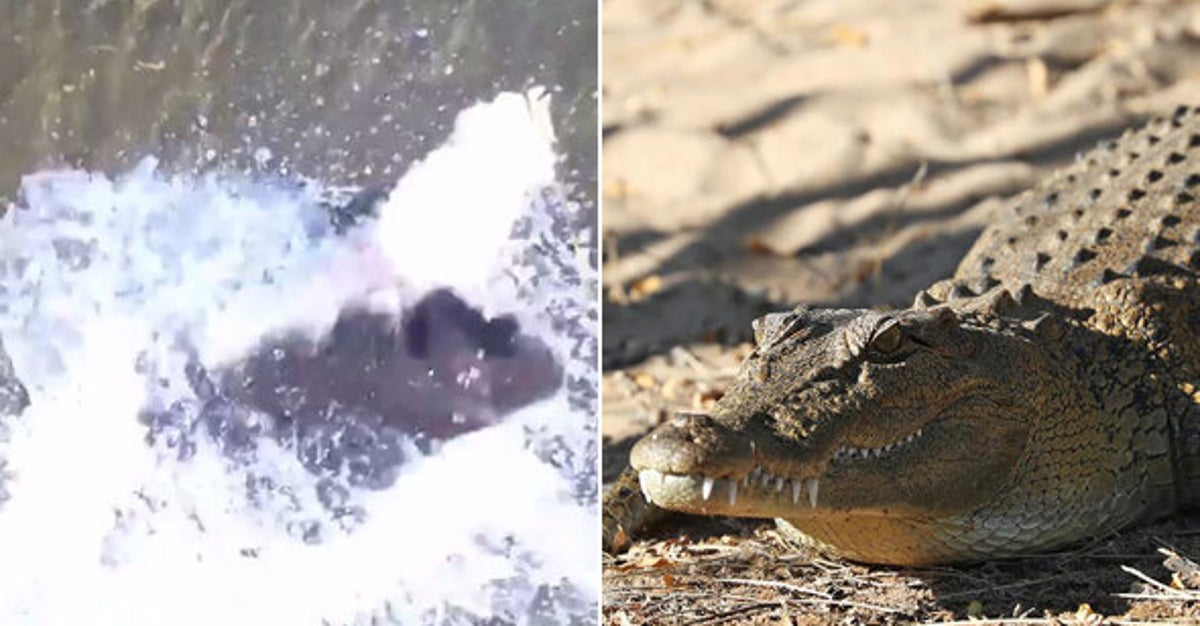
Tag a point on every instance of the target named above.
point(760, 490)
point(759, 493)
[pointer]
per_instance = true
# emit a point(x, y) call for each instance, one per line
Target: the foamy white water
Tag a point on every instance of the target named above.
point(105, 282)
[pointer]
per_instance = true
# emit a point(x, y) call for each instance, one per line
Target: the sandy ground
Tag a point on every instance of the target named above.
point(763, 153)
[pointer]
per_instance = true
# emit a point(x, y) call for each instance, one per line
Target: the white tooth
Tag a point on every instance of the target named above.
point(795, 492)
point(644, 478)
point(765, 480)
point(812, 492)
point(732, 492)
point(706, 488)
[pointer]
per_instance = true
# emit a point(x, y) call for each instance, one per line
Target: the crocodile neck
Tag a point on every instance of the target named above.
point(1148, 379)
point(1187, 457)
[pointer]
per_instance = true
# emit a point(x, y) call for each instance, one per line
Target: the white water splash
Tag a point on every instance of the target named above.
point(103, 280)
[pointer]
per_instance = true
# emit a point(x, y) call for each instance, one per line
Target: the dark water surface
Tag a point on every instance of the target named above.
point(348, 92)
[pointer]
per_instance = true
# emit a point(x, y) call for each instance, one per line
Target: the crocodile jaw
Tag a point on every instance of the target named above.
point(719, 496)
point(760, 490)
point(701, 463)
point(763, 476)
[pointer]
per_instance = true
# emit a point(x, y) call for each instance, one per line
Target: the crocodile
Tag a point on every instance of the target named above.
point(1047, 393)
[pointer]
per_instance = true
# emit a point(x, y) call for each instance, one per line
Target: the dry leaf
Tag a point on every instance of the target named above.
point(1039, 78)
point(706, 399)
point(848, 36)
point(675, 388)
point(616, 293)
point(755, 245)
point(645, 381)
point(644, 287)
point(1185, 572)
point(621, 540)
point(616, 189)
point(1085, 615)
point(867, 269)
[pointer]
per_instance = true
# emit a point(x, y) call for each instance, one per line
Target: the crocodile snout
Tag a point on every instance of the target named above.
point(694, 443)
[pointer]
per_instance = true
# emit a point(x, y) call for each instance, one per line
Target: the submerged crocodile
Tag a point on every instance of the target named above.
point(1047, 393)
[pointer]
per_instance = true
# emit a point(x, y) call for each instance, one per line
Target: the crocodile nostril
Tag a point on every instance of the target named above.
point(681, 420)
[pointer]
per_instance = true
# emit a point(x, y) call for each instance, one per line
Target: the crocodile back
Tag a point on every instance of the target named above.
point(1118, 234)
point(1130, 207)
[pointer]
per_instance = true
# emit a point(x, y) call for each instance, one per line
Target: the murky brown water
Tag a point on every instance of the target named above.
point(349, 92)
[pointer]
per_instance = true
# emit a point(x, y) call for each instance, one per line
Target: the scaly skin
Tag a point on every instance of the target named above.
point(1045, 394)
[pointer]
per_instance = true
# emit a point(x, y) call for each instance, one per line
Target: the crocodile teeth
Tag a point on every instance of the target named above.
point(644, 478)
point(850, 452)
point(812, 492)
point(796, 491)
point(780, 481)
point(707, 487)
point(733, 492)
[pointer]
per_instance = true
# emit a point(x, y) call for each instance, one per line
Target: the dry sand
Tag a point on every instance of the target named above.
point(764, 153)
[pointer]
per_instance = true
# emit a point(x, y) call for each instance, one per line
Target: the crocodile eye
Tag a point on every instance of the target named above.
point(888, 339)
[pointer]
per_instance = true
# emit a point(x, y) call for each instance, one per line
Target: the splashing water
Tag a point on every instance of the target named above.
point(103, 282)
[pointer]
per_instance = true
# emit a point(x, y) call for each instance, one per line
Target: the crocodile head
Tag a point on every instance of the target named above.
point(856, 422)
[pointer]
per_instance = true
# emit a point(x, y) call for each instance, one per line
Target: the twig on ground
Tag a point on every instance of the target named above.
point(725, 616)
point(1055, 621)
point(821, 599)
point(1167, 592)
point(775, 585)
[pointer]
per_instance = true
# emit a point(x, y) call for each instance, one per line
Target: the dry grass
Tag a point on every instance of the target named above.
point(735, 573)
